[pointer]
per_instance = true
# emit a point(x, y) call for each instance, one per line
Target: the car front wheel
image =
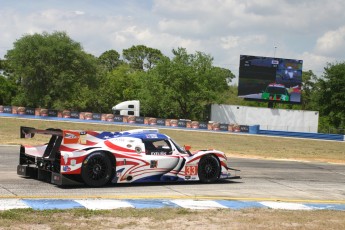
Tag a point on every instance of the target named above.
point(209, 169)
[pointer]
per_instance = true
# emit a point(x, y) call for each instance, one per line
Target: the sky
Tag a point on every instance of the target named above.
point(310, 30)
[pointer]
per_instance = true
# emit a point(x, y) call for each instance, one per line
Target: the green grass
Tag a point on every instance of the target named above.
point(171, 218)
point(232, 144)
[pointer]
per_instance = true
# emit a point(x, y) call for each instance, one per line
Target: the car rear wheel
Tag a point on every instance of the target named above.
point(209, 169)
point(96, 170)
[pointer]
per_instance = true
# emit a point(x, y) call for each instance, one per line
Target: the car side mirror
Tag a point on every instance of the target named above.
point(187, 147)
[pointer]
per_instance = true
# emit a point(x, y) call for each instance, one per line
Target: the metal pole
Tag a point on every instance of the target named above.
point(275, 48)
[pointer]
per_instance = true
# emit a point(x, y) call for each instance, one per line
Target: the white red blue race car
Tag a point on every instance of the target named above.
point(98, 158)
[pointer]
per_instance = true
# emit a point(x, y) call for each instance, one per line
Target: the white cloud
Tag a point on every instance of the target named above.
point(77, 12)
point(332, 43)
point(190, 27)
point(230, 42)
point(315, 62)
point(302, 29)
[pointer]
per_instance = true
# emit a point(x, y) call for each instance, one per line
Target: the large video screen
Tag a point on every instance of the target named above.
point(270, 79)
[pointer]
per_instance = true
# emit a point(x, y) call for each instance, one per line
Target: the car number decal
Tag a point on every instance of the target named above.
point(191, 170)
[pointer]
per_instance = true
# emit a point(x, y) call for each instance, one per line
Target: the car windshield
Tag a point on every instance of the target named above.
point(179, 148)
point(157, 147)
point(275, 90)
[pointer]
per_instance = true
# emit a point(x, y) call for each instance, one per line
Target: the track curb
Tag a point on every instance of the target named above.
point(108, 204)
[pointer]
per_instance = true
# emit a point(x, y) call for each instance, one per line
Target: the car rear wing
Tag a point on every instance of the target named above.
point(53, 144)
point(57, 138)
point(29, 132)
point(64, 136)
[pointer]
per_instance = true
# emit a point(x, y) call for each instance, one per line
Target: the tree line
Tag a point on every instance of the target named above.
point(53, 71)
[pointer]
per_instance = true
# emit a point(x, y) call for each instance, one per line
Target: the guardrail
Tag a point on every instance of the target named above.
point(150, 121)
point(49, 114)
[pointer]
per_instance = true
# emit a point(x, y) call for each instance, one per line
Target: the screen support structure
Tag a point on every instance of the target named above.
point(270, 105)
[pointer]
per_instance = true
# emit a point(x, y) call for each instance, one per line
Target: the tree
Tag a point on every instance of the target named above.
point(309, 80)
point(7, 90)
point(52, 71)
point(141, 57)
point(331, 94)
point(118, 85)
point(110, 60)
point(183, 86)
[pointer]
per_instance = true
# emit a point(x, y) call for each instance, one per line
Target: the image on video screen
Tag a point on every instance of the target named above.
point(270, 79)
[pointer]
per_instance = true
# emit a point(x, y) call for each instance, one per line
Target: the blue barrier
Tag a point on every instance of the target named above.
point(320, 136)
point(254, 129)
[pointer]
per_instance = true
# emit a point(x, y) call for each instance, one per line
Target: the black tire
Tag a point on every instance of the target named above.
point(209, 169)
point(96, 170)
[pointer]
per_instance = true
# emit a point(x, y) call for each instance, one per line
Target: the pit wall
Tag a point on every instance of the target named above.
point(267, 118)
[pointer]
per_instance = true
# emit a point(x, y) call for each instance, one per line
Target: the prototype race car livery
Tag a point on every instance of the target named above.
point(276, 92)
point(98, 158)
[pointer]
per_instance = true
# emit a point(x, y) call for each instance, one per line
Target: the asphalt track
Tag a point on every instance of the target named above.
point(268, 183)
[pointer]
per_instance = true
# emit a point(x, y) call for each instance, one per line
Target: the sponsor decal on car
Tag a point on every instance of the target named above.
point(66, 168)
point(224, 175)
point(158, 153)
point(73, 162)
point(71, 137)
point(154, 164)
point(138, 149)
point(151, 136)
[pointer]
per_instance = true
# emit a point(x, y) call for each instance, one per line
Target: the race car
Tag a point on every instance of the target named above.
point(98, 158)
point(276, 92)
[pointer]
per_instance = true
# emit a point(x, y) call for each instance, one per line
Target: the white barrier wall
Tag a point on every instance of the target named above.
point(268, 119)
